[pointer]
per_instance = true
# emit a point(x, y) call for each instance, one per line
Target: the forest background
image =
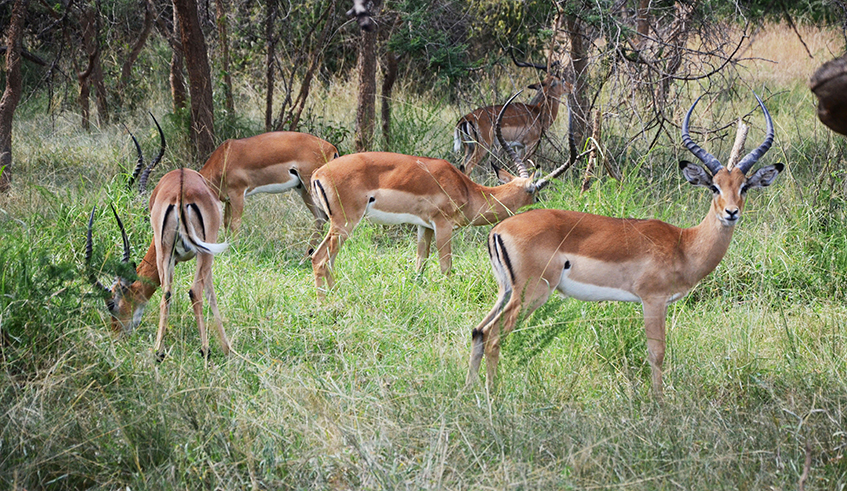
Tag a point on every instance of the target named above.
point(367, 391)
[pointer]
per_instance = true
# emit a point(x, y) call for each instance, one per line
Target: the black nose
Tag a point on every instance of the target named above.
point(732, 214)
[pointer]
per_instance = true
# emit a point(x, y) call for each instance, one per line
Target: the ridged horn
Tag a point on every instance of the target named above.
point(522, 172)
point(751, 158)
point(543, 182)
point(145, 176)
point(139, 164)
point(127, 252)
point(708, 159)
point(89, 246)
point(523, 64)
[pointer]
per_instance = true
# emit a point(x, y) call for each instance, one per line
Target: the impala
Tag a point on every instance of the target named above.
point(523, 125)
point(391, 188)
point(186, 217)
point(268, 163)
point(594, 258)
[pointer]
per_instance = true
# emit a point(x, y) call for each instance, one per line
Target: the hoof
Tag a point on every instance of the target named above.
point(204, 353)
point(160, 356)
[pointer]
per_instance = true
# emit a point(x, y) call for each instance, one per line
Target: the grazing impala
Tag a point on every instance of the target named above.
point(186, 217)
point(523, 124)
point(268, 163)
point(390, 188)
point(593, 258)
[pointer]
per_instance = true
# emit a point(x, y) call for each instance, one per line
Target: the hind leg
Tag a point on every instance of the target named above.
point(320, 219)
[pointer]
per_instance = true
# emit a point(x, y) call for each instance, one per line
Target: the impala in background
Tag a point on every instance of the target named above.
point(522, 125)
point(593, 258)
point(273, 162)
point(391, 188)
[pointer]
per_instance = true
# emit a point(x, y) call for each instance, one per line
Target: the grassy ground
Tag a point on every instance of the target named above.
point(366, 391)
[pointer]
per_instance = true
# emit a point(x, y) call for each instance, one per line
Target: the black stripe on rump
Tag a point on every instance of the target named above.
point(196, 209)
point(506, 259)
point(326, 201)
point(168, 211)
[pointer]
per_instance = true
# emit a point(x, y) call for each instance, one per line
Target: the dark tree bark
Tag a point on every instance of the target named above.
point(12, 93)
point(270, 39)
point(93, 75)
point(126, 70)
point(570, 54)
point(366, 99)
point(676, 40)
point(642, 20)
point(224, 40)
point(199, 78)
point(389, 76)
point(171, 33)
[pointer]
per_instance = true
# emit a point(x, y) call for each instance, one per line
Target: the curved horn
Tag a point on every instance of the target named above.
point(125, 258)
point(543, 182)
point(139, 165)
point(142, 183)
point(89, 245)
point(711, 162)
point(522, 172)
point(525, 64)
point(751, 158)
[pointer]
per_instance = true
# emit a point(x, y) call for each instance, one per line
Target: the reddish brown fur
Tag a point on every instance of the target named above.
point(432, 190)
point(522, 123)
point(238, 167)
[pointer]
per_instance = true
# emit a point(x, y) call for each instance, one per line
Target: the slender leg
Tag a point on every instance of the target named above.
point(655, 312)
point(195, 294)
point(424, 243)
point(166, 274)
point(320, 218)
point(323, 259)
point(443, 242)
point(209, 287)
point(236, 205)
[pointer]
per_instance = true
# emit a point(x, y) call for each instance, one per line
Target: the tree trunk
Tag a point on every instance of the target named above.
point(676, 40)
point(93, 75)
point(642, 21)
point(126, 70)
point(222, 33)
point(199, 79)
point(389, 76)
point(366, 100)
point(569, 52)
point(270, 15)
point(12, 93)
point(177, 80)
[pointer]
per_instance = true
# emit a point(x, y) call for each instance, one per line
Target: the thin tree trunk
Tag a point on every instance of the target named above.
point(569, 52)
point(366, 100)
point(177, 80)
point(199, 78)
point(593, 155)
point(270, 15)
point(642, 20)
point(222, 33)
point(677, 40)
point(389, 76)
point(12, 93)
point(90, 27)
point(126, 70)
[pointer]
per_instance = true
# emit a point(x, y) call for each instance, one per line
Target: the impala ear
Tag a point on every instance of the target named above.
point(695, 174)
point(763, 177)
point(534, 86)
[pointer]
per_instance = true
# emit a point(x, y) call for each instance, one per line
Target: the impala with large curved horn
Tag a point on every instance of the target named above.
point(145, 175)
point(186, 217)
point(523, 125)
point(273, 162)
point(593, 258)
point(391, 188)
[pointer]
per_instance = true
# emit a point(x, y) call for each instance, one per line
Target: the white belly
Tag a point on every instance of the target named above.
point(593, 293)
point(386, 218)
point(276, 188)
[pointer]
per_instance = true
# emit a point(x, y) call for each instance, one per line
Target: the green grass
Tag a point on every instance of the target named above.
point(366, 391)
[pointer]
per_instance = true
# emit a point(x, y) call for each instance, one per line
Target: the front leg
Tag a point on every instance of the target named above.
point(443, 241)
point(320, 217)
point(655, 312)
point(424, 243)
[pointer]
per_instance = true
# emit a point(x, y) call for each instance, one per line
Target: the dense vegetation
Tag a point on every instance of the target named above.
point(366, 391)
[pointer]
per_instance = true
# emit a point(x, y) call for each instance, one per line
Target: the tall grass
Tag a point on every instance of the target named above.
point(366, 391)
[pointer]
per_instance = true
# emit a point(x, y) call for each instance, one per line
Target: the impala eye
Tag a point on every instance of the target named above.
point(714, 189)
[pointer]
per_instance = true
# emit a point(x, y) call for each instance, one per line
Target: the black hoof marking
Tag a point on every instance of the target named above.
point(160, 356)
point(204, 353)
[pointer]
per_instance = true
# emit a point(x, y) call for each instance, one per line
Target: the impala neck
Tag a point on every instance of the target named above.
point(551, 110)
point(706, 244)
point(488, 205)
point(148, 277)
